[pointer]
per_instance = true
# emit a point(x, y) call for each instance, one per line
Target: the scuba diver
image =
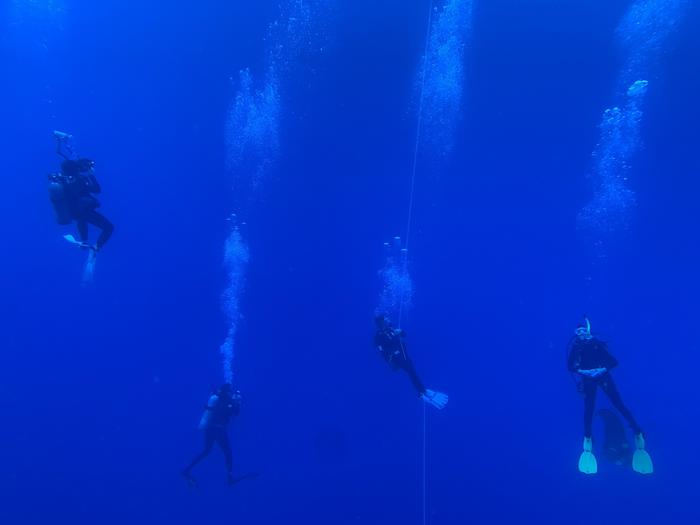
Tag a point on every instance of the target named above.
point(71, 193)
point(224, 403)
point(392, 347)
point(588, 357)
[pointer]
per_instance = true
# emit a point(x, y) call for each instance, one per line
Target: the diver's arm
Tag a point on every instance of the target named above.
point(607, 359)
point(59, 150)
point(92, 185)
point(379, 341)
point(63, 147)
point(383, 353)
point(574, 358)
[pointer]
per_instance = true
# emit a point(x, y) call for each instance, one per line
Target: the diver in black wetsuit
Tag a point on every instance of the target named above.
point(71, 193)
point(223, 404)
point(392, 347)
point(83, 205)
point(590, 359)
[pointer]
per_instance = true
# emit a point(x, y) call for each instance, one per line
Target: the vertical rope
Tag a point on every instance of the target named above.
point(416, 147)
point(425, 476)
point(409, 220)
point(419, 122)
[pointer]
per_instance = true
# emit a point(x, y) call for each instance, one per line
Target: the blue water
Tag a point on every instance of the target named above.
point(255, 157)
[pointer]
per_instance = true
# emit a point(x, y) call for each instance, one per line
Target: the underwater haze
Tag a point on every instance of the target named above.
point(538, 162)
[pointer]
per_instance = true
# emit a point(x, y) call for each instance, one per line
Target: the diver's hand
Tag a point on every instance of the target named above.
point(437, 399)
point(60, 135)
point(593, 372)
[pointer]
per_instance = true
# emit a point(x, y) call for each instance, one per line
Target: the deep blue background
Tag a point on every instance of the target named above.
point(101, 388)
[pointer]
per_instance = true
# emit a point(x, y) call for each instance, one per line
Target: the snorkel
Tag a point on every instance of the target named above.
point(584, 331)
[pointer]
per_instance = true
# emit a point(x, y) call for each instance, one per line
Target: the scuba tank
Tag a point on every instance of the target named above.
point(59, 198)
point(205, 421)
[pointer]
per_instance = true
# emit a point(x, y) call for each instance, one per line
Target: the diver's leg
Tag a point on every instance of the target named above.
point(209, 438)
point(608, 385)
point(587, 462)
point(97, 219)
point(590, 387)
point(407, 365)
point(82, 229)
point(225, 445)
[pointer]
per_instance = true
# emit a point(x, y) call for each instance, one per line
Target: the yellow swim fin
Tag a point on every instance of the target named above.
point(587, 462)
point(641, 461)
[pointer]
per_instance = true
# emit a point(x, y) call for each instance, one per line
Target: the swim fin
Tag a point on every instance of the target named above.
point(89, 268)
point(587, 462)
point(641, 461)
point(437, 399)
point(72, 239)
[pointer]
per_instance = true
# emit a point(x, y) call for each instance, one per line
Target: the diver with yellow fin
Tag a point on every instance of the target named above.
point(590, 359)
point(392, 347)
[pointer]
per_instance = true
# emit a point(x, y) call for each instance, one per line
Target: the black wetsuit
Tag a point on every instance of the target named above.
point(587, 355)
point(390, 343)
point(215, 431)
point(83, 205)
